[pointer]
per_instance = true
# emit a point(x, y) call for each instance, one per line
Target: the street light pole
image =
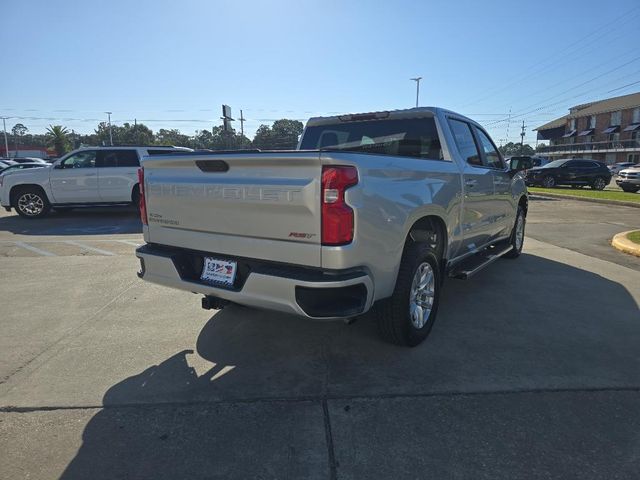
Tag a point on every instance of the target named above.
point(6, 144)
point(110, 136)
point(417, 80)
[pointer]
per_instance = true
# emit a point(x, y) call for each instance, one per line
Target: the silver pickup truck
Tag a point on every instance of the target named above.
point(372, 210)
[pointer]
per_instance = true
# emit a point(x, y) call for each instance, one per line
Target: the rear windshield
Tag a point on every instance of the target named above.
point(410, 138)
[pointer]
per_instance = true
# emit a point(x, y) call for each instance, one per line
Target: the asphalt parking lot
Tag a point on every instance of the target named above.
point(532, 370)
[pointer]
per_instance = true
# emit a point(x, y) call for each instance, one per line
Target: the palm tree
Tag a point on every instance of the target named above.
point(57, 136)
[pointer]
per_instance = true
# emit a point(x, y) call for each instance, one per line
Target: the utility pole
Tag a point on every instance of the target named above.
point(110, 136)
point(6, 144)
point(417, 80)
point(242, 120)
point(522, 139)
point(508, 125)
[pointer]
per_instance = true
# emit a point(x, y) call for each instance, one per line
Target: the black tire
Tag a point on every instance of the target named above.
point(393, 314)
point(516, 244)
point(599, 183)
point(629, 189)
point(31, 202)
point(548, 182)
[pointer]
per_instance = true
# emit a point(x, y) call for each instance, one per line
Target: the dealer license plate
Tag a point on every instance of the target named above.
point(218, 271)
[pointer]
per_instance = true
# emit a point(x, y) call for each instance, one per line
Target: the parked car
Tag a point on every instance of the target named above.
point(6, 163)
point(374, 208)
point(90, 176)
point(29, 160)
point(19, 166)
point(575, 172)
point(629, 179)
point(616, 167)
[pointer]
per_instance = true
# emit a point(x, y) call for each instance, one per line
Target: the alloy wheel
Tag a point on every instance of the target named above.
point(31, 204)
point(422, 295)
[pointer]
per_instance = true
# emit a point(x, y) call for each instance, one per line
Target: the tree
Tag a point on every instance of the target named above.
point(285, 134)
point(171, 137)
point(262, 138)
point(282, 135)
point(58, 137)
point(125, 134)
point(510, 149)
point(18, 131)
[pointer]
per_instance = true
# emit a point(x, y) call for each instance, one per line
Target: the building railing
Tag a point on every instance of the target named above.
point(591, 146)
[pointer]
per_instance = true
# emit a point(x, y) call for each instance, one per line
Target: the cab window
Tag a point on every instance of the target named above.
point(84, 159)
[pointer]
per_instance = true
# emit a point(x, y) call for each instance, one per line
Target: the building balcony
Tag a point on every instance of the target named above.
point(596, 147)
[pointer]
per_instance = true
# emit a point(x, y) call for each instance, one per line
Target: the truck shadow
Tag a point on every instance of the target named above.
point(533, 324)
point(80, 221)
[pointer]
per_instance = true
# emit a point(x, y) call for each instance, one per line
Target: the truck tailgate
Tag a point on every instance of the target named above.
point(260, 205)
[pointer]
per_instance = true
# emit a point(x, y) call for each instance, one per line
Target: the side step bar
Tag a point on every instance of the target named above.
point(473, 265)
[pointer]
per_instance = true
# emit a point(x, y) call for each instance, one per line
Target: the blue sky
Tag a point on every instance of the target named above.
point(170, 64)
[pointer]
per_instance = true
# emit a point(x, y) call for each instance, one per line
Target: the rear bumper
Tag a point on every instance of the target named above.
point(303, 291)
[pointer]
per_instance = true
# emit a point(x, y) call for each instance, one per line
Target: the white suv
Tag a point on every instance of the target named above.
point(90, 176)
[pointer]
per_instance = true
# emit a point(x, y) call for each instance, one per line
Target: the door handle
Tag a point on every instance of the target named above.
point(470, 183)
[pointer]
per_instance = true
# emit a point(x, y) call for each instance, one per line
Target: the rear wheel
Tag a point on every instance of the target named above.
point(548, 182)
point(31, 202)
point(599, 183)
point(406, 318)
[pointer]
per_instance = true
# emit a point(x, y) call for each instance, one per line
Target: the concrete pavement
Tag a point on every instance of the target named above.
point(532, 371)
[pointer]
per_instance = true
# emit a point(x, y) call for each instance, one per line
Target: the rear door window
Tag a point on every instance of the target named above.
point(464, 141)
point(118, 158)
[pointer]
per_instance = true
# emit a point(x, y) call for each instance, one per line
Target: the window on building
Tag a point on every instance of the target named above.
point(572, 124)
point(614, 138)
point(616, 118)
point(636, 115)
point(633, 157)
point(636, 136)
point(592, 121)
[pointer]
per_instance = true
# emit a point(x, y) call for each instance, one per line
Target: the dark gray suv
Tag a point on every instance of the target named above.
point(576, 172)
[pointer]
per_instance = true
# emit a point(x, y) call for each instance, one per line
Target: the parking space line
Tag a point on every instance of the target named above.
point(87, 247)
point(26, 246)
point(129, 243)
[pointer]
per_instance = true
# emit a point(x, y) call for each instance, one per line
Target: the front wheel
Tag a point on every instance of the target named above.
point(548, 182)
point(32, 203)
point(406, 318)
point(629, 189)
point(517, 235)
point(599, 183)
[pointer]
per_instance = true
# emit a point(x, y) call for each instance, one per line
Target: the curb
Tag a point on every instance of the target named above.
point(622, 243)
point(583, 199)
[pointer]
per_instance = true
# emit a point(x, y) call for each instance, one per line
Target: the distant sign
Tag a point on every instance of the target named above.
point(226, 112)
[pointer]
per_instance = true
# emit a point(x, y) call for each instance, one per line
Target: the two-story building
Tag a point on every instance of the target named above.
point(606, 130)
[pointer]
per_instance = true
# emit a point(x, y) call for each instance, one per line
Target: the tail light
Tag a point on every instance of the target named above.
point(142, 203)
point(337, 216)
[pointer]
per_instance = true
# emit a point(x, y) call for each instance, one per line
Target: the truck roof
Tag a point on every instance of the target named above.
point(418, 112)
